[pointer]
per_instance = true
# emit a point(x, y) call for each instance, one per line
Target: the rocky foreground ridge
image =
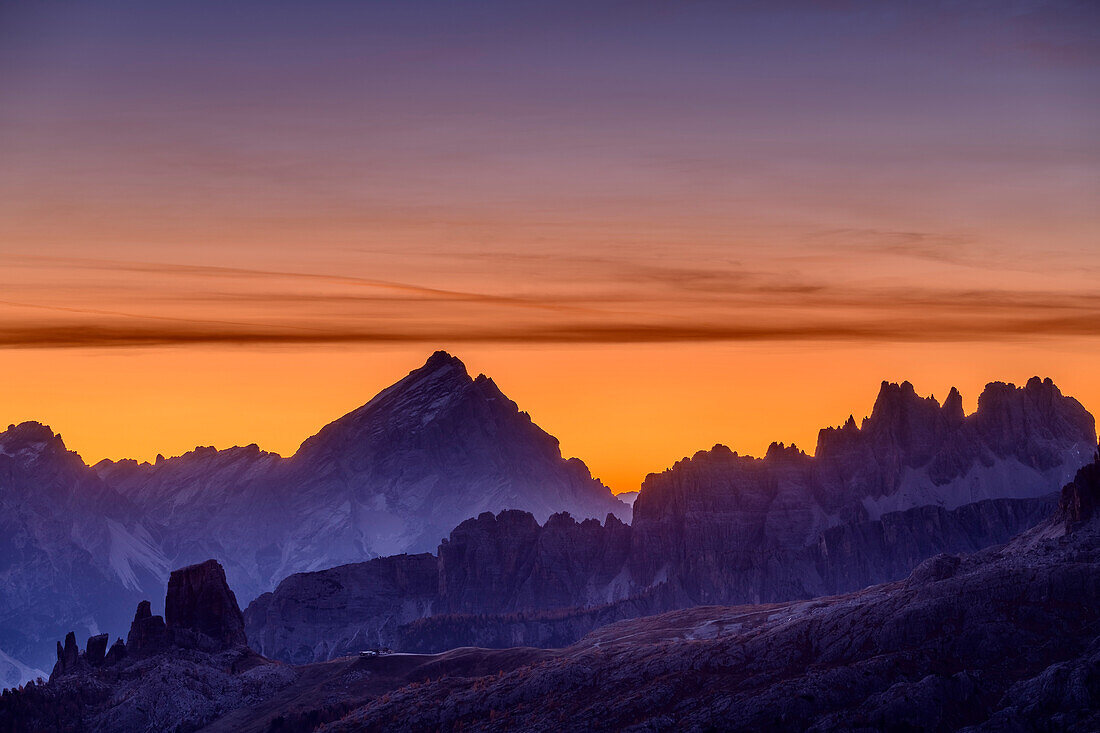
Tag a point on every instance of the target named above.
point(1007, 638)
point(714, 528)
point(179, 672)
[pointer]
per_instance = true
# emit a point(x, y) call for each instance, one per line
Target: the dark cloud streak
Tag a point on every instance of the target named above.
point(73, 335)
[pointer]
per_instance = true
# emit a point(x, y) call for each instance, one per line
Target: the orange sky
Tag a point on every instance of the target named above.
point(656, 225)
point(626, 410)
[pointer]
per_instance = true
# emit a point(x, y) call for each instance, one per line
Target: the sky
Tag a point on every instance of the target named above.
point(657, 225)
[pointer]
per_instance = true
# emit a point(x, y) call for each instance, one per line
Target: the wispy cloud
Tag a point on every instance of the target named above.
point(623, 301)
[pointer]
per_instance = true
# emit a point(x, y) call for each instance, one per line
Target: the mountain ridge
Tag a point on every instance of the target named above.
point(718, 527)
point(396, 474)
point(438, 447)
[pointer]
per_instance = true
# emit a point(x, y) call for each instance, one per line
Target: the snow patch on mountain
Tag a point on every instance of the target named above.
point(14, 673)
point(1004, 479)
point(132, 551)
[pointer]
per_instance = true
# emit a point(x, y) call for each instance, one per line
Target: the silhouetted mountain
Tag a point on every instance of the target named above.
point(79, 546)
point(393, 476)
point(74, 554)
point(723, 524)
point(723, 528)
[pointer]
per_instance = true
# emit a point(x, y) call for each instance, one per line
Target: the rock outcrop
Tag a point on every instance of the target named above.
point(177, 676)
point(201, 609)
point(68, 656)
point(202, 614)
point(116, 653)
point(96, 652)
point(148, 633)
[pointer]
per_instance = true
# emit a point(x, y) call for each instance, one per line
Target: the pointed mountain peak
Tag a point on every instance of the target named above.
point(439, 365)
point(425, 394)
point(953, 406)
point(442, 358)
point(781, 452)
point(893, 397)
point(996, 393)
point(1036, 384)
point(440, 371)
point(29, 437)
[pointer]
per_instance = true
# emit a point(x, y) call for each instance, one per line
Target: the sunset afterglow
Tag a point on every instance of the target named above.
point(656, 226)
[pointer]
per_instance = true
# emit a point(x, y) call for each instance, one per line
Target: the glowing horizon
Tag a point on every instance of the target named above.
point(657, 226)
point(122, 409)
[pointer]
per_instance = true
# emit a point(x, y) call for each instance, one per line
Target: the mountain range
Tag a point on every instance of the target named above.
point(441, 455)
point(81, 545)
point(714, 528)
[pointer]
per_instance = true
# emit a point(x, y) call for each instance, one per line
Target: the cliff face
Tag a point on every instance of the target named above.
point(853, 556)
point(505, 581)
point(494, 564)
point(343, 610)
point(724, 524)
point(200, 601)
point(1079, 502)
point(507, 562)
point(1004, 639)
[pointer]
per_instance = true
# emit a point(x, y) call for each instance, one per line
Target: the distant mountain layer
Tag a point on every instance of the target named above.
point(79, 547)
point(715, 528)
